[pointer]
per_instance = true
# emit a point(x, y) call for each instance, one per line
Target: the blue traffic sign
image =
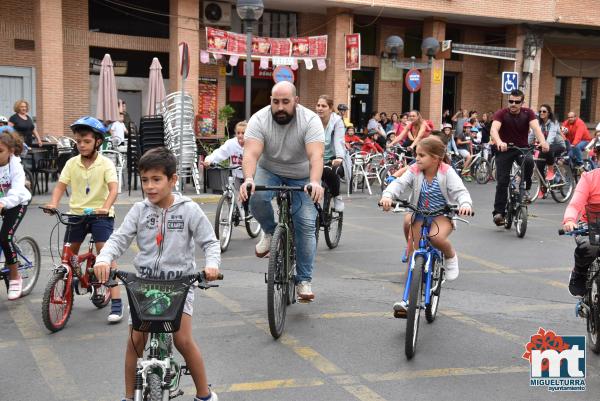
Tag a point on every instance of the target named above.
point(283, 73)
point(510, 81)
point(413, 80)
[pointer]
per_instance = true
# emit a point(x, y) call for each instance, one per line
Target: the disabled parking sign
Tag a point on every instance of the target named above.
point(510, 81)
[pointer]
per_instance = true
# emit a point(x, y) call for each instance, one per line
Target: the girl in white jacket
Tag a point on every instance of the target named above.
point(14, 198)
point(232, 149)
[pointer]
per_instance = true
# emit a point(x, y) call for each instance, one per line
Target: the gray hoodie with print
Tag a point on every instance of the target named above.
point(166, 239)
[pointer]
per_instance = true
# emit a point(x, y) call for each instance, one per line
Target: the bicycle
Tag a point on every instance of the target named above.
point(588, 306)
point(30, 260)
point(516, 209)
point(396, 158)
point(480, 167)
point(228, 214)
point(156, 308)
point(329, 219)
point(426, 266)
point(282, 259)
point(561, 187)
point(71, 276)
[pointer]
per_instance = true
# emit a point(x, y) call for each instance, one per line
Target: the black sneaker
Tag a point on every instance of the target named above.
point(577, 284)
point(498, 219)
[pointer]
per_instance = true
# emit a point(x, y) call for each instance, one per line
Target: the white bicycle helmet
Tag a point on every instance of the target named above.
point(3, 120)
point(597, 126)
point(446, 125)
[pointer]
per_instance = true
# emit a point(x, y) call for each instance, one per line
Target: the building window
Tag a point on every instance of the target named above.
point(560, 97)
point(585, 107)
point(272, 24)
point(134, 17)
point(455, 35)
point(368, 36)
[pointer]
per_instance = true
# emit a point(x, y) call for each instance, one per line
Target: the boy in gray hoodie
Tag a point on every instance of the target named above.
point(167, 226)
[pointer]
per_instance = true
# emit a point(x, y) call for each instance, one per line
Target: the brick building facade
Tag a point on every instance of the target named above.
point(53, 38)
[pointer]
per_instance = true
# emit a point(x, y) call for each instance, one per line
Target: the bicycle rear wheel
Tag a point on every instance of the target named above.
point(436, 286)
point(536, 185)
point(387, 172)
point(413, 315)
point(562, 191)
point(333, 224)
point(277, 282)
point(30, 262)
point(593, 319)
point(223, 221)
point(521, 221)
point(57, 302)
point(482, 171)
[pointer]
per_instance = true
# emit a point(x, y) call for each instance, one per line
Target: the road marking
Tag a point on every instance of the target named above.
point(555, 283)
point(59, 381)
point(8, 344)
point(444, 372)
point(486, 263)
point(228, 303)
point(542, 307)
point(363, 393)
point(486, 328)
point(321, 363)
point(265, 385)
point(347, 315)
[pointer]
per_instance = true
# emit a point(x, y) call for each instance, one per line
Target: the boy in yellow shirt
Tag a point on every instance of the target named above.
point(93, 181)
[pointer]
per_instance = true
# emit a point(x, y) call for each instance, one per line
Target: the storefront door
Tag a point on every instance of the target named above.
point(363, 91)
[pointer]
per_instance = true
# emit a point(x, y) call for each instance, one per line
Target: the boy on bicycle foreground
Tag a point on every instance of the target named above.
point(93, 181)
point(431, 184)
point(167, 226)
point(587, 193)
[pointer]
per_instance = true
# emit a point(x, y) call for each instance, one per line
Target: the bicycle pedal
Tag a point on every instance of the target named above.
point(303, 301)
point(176, 394)
point(400, 314)
point(185, 371)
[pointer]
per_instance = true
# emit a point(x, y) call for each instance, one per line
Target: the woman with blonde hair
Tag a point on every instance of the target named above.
point(23, 124)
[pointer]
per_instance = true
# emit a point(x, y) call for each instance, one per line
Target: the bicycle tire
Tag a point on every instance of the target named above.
point(413, 314)
point(317, 229)
point(252, 227)
point(65, 298)
point(436, 280)
point(30, 274)
point(521, 221)
point(101, 295)
point(224, 223)
point(387, 172)
point(536, 185)
point(593, 319)
point(508, 218)
point(155, 391)
point(277, 282)
point(482, 171)
point(333, 224)
point(564, 192)
point(29, 177)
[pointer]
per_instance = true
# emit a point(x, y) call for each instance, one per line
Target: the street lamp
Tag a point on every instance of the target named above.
point(394, 46)
point(430, 47)
point(249, 11)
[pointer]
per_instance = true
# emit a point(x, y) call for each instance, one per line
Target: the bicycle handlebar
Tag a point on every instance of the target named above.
point(406, 205)
point(199, 277)
point(61, 216)
point(577, 231)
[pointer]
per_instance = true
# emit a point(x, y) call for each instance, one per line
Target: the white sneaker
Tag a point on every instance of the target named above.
point(264, 245)
point(15, 289)
point(213, 397)
point(304, 291)
point(451, 269)
point(338, 204)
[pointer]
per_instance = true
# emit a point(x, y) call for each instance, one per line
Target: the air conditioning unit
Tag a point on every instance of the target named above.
point(217, 13)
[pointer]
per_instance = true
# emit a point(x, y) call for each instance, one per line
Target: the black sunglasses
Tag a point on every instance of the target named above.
point(515, 101)
point(543, 111)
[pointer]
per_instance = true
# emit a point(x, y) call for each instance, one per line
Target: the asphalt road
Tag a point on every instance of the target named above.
point(344, 346)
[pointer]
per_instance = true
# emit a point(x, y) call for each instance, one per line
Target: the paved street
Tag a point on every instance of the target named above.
point(344, 346)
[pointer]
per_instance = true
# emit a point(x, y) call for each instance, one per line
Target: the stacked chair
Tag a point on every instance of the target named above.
point(152, 133)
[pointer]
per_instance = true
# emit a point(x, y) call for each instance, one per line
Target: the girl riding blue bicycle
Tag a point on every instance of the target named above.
point(432, 184)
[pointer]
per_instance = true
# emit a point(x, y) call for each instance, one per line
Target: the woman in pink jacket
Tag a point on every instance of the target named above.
point(587, 193)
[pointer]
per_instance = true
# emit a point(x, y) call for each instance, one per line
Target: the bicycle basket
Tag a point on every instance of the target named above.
point(156, 305)
point(592, 213)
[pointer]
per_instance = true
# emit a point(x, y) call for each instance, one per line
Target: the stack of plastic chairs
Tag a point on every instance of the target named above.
point(152, 133)
point(173, 110)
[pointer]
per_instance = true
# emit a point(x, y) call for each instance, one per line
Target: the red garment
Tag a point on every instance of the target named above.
point(587, 192)
point(515, 127)
point(371, 146)
point(428, 128)
point(578, 131)
point(353, 138)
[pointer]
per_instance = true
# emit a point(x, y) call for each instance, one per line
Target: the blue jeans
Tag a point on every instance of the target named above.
point(576, 152)
point(304, 216)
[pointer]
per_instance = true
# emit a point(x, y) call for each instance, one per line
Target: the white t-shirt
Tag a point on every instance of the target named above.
point(232, 150)
point(284, 152)
point(117, 132)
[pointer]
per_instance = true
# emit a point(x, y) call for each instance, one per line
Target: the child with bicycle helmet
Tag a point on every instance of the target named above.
point(14, 198)
point(168, 228)
point(93, 181)
point(587, 193)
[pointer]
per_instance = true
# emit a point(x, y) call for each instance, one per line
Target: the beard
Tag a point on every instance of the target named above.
point(282, 117)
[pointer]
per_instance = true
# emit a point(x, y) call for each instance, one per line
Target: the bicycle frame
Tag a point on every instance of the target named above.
point(22, 266)
point(430, 254)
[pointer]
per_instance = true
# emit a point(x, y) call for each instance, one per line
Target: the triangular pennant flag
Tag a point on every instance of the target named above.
point(321, 64)
point(217, 56)
point(308, 63)
point(204, 57)
point(264, 63)
point(233, 60)
point(294, 64)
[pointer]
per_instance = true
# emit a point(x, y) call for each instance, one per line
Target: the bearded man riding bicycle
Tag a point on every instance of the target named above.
point(286, 141)
point(512, 125)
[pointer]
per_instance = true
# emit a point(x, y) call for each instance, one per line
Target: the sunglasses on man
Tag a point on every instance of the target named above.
point(515, 101)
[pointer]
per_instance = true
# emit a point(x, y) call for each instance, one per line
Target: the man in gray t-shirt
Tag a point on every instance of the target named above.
point(284, 145)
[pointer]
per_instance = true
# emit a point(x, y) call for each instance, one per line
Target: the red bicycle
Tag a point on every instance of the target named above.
point(75, 275)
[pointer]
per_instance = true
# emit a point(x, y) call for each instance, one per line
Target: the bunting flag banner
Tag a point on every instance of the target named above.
point(204, 57)
point(321, 64)
point(264, 63)
point(308, 63)
point(352, 51)
point(294, 64)
point(233, 60)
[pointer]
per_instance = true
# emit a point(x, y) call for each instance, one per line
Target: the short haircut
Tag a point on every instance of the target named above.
point(13, 141)
point(517, 93)
point(241, 124)
point(18, 104)
point(158, 159)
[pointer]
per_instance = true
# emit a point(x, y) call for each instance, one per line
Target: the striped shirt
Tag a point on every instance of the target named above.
point(431, 197)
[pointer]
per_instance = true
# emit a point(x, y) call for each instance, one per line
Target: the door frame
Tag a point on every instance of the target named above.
point(28, 76)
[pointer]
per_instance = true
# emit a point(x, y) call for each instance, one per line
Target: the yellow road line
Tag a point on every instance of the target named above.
point(266, 385)
point(444, 372)
point(542, 307)
point(8, 344)
point(346, 315)
point(228, 303)
point(486, 328)
point(59, 381)
point(321, 363)
point(363, 393)
point(555, 283)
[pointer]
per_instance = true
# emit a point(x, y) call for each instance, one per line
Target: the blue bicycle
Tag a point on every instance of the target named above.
point(426, 268)
point(28, 253)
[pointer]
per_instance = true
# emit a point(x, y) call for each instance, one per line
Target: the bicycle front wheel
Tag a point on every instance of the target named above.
point(278, 281)
point(593, 319)
point(223, 221)
point(154, 391)
point(521, 221)
point(333, 224)
point(436, 290)
point(57, 302)
point(482, 171)
point(413, 315)
point(30, 262)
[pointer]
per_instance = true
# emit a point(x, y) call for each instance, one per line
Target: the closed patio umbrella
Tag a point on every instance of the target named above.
point(107, 108)
point(156, 87)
